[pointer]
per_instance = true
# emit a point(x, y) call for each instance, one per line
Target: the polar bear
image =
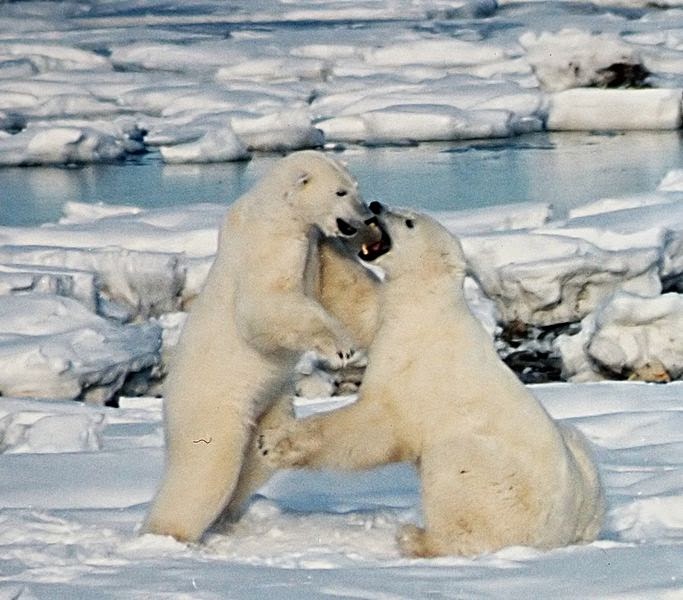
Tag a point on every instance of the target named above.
point(257, 313)
point(495, 469)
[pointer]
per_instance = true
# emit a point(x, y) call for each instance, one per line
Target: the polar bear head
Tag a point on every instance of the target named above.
point(419, 246)
point(322, 193)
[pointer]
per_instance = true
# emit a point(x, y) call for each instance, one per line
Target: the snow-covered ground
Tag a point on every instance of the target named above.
point(76, 480)
point(91, 306)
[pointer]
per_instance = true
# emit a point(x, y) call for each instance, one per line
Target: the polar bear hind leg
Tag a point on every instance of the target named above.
point(212, 464)
point(588, 489)
point(473, 501)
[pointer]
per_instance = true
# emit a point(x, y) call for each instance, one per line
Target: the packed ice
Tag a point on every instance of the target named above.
point(116, 82)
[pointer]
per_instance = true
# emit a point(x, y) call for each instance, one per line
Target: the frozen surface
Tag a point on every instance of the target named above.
point(133, 271)
point(54, 347)
point(91, 82)
point(91, 306)
point(70, 513)
point(628, 335)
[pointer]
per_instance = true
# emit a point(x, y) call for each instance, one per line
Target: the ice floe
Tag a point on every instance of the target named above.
point(207, 84)
point(534, 275)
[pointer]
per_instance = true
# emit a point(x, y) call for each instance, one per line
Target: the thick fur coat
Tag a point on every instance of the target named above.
point(495, 469)
point(258, 312)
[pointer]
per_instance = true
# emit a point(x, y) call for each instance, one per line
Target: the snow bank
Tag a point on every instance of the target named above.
point(53, 347)
point(628, 336)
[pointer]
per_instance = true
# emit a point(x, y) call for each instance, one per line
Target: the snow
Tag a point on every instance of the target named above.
point(628, 334)
point(54, 347)
point(91, 310)
point(206, 83)
point(315, 535)
point(91, 306)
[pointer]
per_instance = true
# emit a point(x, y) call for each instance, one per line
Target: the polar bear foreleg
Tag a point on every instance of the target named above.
point(359, 436)
point(296, 324)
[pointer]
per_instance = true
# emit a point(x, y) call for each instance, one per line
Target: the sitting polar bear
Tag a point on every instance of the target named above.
point(258, 312)
point(495, 469)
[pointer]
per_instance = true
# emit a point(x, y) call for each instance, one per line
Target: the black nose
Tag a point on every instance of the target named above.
point(345, 228)
point(376, 208)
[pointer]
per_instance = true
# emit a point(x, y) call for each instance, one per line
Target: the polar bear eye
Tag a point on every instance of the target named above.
point(410, 223)
point(341, 193)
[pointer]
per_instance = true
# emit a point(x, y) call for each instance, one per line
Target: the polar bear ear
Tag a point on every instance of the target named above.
point(303, 179)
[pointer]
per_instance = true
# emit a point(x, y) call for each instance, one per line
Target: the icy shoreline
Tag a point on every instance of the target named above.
point(594, 296)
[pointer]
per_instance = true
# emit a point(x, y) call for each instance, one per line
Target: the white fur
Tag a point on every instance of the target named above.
point(495, 469)
point(258, 312)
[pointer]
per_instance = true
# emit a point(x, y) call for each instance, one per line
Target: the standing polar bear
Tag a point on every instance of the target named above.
point(258, 312)
point(495, 469)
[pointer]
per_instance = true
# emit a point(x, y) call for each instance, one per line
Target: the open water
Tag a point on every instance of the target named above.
point(564, 169)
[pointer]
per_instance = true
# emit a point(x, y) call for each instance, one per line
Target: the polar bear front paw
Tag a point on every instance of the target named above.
point(285, 447)
point(338, 355)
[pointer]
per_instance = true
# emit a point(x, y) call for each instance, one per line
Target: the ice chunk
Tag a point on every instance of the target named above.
point(591, 109)
point(142, 283)
point(672, 181)
point(417, 123)
point(59, 145)
point(40, 432)
point(282, 131)
point(521, 215)
point(275, 69)
point(83, 212)
point(547, 279)
point(628, 336)
point(218, 145)
point(73, 283)
point(56, 57)
point(53, 347)
point(572, 58)
point(605, 205)
point(438, 52)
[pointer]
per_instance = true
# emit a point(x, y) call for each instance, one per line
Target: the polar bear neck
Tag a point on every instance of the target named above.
point(406, 295)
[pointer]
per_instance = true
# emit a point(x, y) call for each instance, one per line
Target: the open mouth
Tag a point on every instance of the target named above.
point(370, 251)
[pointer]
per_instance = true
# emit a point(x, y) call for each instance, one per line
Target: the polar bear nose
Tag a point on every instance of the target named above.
point(345, 228)
point(376, 208)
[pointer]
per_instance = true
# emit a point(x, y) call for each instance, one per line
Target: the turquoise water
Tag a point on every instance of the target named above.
point(565, 169)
